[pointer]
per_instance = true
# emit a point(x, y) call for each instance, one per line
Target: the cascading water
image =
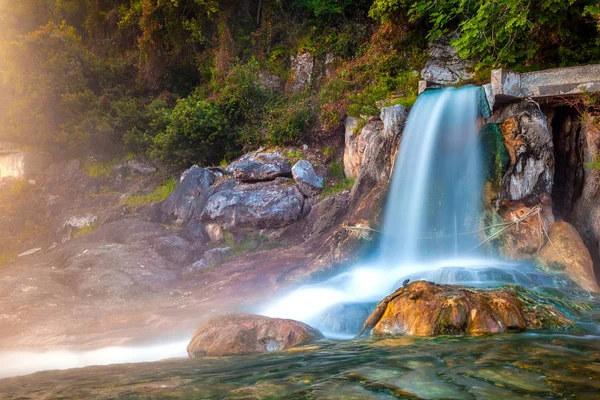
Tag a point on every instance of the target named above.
point(431, 221)
point(432, 210)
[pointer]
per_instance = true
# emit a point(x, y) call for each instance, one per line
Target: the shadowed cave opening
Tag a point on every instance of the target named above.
point(570, 150)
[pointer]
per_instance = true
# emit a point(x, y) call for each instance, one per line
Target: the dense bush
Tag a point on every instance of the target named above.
point(516, 33)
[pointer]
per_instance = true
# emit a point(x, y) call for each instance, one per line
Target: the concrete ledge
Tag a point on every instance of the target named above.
point(557, 82)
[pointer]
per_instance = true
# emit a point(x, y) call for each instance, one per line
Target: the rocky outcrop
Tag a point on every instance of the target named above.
point(301, 71)
point(249, 334)
point(566, 253)
point(444, 66)
point(309, 183)
point(374, 144)
point(264, 205)
point(209, 259)
point(260, 166)
point(130, 168)
point(427, 309)
point(529, 144)
point(191, 194)
point(381, 141)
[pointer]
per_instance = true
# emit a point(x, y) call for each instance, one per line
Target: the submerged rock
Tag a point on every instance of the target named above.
point(191, 194)
point(260, 166)
point(309, 183)
point(566, 252)
point(249, 334)
point(426, 309)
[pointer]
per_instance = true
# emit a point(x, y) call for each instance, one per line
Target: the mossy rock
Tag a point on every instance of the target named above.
point(495, 155)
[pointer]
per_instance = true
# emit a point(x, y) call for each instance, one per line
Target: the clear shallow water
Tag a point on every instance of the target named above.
point(517, 366)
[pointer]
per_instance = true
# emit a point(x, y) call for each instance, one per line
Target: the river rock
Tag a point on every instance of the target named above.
point(444, 65)
point(264, 205)
point(190, 194)
point(566, 252)
point(426, 309)
point(249, 334)
point(529, 143)
point(260, 166)
point(309, 183)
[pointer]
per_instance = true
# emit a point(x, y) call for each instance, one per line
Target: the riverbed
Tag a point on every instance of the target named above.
point(511, 366)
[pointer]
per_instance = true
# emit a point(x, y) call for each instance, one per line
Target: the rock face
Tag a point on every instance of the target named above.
point(255, 206)
point(209, 259)
point(381, 141)
point(302, 71)
point(354, 148)
point(371, 143)
point(566, 252)
point(260, 166)
point(529, 144)
point(249, 334)
point(444, 65)
point(427, 309)
point(309, 183)
point(191, 193)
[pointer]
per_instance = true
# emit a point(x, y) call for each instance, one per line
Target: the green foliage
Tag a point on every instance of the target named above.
point(345, 184)
point(336, 170)
point(515, 33)
point(100, 170)
point(288, 122)
point(195, 131)
point(158, 195)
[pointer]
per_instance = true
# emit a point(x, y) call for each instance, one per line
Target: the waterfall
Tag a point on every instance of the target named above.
point(433, 205)
point(431, 221)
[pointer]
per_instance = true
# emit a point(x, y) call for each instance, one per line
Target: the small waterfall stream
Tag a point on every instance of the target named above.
point(433, 205)
point(431, 220)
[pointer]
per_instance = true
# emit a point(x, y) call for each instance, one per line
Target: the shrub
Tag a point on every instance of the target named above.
point(197, 132)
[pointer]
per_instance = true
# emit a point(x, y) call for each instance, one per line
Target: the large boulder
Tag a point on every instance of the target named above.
point(444, 65)
point(427, 309)
point(566, 252)
point(249, 334)
point(309, 183)
point(529, 143)
point(191, 194)
point(260, 166)
point(265, 205)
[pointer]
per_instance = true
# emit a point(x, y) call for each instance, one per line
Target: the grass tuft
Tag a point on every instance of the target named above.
point(159, 194)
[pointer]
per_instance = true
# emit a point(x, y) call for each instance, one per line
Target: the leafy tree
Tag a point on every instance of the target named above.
point(513, 33)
